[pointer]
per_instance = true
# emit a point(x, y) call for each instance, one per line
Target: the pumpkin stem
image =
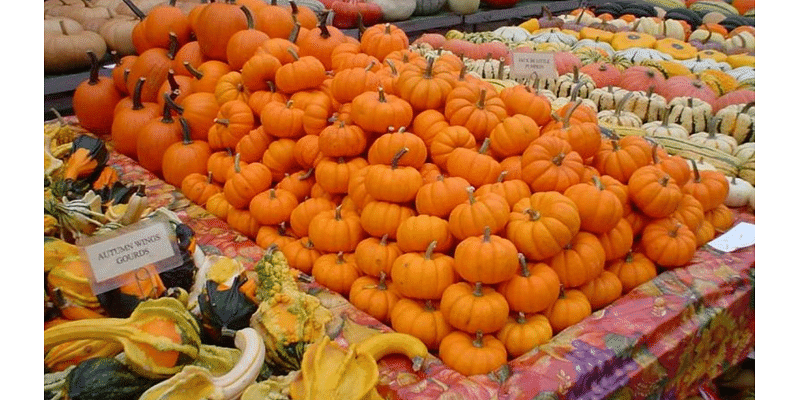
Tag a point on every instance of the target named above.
point(597, 183)
point(94, 72)
point(391, 65)
point(478, 291)
point(533, 214)
point(222, 121)
point(272, 194)
point(308, 244)
point(485, 146)
point(618, 109)
point(370, 66)
point(59, 117)
point(478, 342)
point(674, 232)
point(463, 73)
point(306, 175)
point(174, 86)
point(271, 248)
point(187, 132)
point(396, 158)
point(524, 270)
point(571, 110)
point(125, 74)
point(167, 114)
point(557, 160)
point(696, 171)
point(654, 154)
point(337, 213)
point(428, 69)
point(137, 94)
point(382, 281)
point(429, 305)
point(384, 239)
point(481, 99)
point(237, 168)
point(520, 319)
point(192, 70)
point(381, 95)
point(249, 16)
point(173, 46)
point(323, 28)
point(487, 234)
point(471, 194)
point(295, 31)
point(429, 250)
point(293, 53)
point(175, 106)
point(136, 11)
point(502, 176)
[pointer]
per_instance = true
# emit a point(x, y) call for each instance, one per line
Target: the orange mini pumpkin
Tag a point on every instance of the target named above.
point(571, 307)
point(470, 355)
point(423, 275)
point(668, 243)
point(473, 307)
point(522, 333)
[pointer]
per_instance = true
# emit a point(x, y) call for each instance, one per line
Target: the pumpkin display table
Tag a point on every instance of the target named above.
point(664, 339)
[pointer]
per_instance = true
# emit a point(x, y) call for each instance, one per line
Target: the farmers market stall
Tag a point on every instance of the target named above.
point(562, 209)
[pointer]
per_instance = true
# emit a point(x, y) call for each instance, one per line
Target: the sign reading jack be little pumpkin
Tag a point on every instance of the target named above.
point(529, 65)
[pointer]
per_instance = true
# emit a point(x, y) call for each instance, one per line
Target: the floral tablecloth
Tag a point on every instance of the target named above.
point(660, 341)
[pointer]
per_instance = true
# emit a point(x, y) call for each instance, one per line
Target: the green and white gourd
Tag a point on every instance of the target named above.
point(648, 106)
point(608, 97)
point(737, 121)
point(711, 138)
point(689, 112)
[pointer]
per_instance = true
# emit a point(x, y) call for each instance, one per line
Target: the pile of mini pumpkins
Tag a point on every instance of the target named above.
point(481, 221)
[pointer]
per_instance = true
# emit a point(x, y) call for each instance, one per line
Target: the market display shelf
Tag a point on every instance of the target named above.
point(58, 89)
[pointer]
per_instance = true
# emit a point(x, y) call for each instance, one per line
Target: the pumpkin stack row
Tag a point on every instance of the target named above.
point(383, 173)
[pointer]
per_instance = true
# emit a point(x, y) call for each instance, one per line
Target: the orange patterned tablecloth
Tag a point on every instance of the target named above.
point(660, 341)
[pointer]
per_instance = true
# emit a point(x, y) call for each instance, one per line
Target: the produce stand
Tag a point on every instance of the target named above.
point(671, 337)
point(663, 340)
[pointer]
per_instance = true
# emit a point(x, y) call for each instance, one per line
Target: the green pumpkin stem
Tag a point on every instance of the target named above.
point(340, 258)
point(295, 32)
point(621, 104)
point(306, 174)
point(520, 319)
point(429, 250)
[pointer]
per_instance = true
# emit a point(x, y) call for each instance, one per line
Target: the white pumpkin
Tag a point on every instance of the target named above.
point(395, 10)
point(464, 7)
point(664, 128)
point(700, 64)
point(553, 35)
point(512, 33)
point(639, 54)
point(742, 73)
point(739, 191)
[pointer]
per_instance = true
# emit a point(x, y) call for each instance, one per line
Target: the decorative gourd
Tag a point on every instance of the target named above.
point(647, 105)
point(620, 117)
point(739, 192)
point(105, 376)
point(712, 139)
point(159, 337)
point(689, 112)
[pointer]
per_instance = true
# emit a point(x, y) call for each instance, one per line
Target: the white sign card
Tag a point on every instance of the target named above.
point(528, 65)
point(115, 258)
point(740, 236)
